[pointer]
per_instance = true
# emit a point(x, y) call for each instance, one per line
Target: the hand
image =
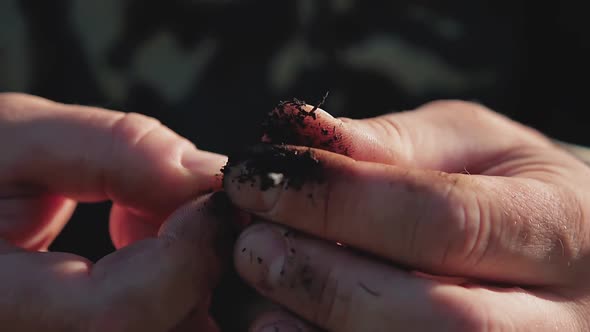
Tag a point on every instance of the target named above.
point(452, 218)
point(54, 155)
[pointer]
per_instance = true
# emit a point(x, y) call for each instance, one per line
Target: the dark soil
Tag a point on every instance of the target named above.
point(285, 122)
point(273, 165)
point(290, 123)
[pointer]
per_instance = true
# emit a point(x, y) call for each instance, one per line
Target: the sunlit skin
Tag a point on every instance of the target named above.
point(160, 279)
point(453, 218)
point(450, 217)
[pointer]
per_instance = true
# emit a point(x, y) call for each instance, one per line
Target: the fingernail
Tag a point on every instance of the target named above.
point(281, 326)
point(260, 254)
point(201, 162)
point(256, 177)
point(251, 191)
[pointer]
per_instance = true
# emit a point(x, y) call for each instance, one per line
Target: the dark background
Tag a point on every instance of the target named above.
point(209, 69)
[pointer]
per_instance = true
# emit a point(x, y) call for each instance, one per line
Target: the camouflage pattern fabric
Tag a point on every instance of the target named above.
point(194, 64)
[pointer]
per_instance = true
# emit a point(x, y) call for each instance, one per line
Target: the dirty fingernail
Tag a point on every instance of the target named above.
point(260, 254)
point(255, 178)
point(252, 190)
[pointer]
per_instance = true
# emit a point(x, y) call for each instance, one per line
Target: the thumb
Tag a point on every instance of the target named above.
point(449, 136)
point(156, 283)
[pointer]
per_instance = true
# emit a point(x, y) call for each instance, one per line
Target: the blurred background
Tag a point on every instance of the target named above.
point(210, 69)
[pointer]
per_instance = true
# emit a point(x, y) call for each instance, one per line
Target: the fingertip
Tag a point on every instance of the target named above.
point(251, 190)
point(205, 166)
point(297, 123)
point(259, 255)
point(256, 179)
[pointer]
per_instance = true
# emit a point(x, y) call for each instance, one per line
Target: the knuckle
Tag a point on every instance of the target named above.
point(9, 101)
point(132, 128)
point(560, 219)
point(8, 97)
point(400, 138)
point(464, 230)
point(127, 132)
point(390, 126)
point(461, 107)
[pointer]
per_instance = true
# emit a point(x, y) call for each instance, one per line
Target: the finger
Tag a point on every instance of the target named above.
point(341, 291)
point(127, 226)
point(450, 224)
point(176, 272)
point(151, 285)
point(450, 136)
point(282, 321)
point(91, 154)
point(34, 220)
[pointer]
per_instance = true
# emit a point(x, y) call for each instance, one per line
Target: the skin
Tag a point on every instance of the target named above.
point(447, 218)
point(494, 238)
point(168, 259)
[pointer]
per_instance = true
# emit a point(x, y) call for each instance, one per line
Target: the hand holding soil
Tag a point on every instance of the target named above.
point(447, 218)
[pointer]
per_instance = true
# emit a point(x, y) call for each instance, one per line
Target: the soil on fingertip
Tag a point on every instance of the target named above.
point(269, 165)
point(290, 123)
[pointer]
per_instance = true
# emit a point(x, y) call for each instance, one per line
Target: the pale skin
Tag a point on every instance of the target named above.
point(453, 218)
point(451, 189)
point(160, 279)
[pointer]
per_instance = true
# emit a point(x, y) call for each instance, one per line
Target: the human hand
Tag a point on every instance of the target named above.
point(55, 155)
point(452, 217)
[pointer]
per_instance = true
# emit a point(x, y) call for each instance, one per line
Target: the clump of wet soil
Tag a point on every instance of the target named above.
point(273, 165)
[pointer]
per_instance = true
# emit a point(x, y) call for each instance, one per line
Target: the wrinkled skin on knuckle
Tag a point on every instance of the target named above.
point(129, 129)
point(547, 224)
point(147, 138)
point(459, 228)
point(469, 208)
point(399, 144)
point(560, 218)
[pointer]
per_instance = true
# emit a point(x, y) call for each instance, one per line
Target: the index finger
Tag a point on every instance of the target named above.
point(91, 154)
point(446, 224)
